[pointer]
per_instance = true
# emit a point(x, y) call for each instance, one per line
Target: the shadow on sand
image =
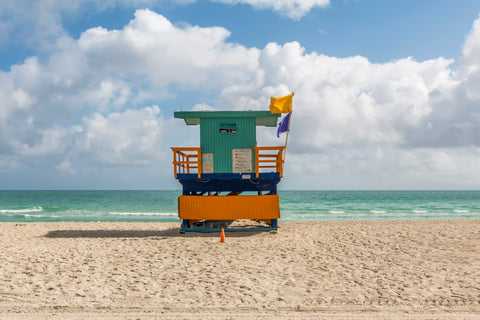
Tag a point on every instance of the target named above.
point(169, 233)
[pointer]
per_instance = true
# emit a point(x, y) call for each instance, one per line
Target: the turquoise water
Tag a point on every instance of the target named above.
point(161, 206)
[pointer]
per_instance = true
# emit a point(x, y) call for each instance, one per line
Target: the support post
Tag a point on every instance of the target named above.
point(274, 224)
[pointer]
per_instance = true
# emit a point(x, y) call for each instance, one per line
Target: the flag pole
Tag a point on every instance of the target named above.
point(288, 130)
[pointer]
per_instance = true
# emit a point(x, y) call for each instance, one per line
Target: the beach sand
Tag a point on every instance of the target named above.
point(308, 270)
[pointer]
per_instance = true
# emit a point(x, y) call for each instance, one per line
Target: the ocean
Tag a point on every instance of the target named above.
point(161, 206)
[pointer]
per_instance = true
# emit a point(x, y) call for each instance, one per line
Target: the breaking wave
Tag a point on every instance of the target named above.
point(17, 211)
point(144, 213)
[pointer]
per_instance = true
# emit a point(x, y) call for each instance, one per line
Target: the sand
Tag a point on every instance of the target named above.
point(308, 270)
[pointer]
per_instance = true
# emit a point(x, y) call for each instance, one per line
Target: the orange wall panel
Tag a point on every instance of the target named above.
point(229, 207)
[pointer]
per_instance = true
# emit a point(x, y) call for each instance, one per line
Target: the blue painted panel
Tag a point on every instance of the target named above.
point(194, 176)
point(192, 229)
point(223, 185)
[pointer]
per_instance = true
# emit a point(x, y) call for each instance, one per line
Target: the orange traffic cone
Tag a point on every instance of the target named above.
point(222, 236)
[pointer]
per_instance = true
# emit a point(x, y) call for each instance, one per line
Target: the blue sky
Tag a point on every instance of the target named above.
point(379, 30)
point(386, 91)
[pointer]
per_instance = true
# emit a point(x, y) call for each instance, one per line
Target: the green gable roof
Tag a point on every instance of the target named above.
point(262, 118)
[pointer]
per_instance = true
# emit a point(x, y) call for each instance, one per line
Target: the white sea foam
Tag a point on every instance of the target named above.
point(378, 211)
point(336, 211)
point(420, 211)
point(144, 213)
point(36, 209)
point(461, 211)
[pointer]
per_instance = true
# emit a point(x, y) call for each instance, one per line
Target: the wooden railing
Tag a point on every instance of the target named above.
point(186, 159)
point(189, 160)
point(269, 157)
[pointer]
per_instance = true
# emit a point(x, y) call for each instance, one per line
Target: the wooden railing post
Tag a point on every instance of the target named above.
point(280, 162)
point(256, 160)
point(174, 163)
point(199, 162)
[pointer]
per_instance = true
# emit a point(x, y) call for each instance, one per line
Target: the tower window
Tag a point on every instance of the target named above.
point(228, 127)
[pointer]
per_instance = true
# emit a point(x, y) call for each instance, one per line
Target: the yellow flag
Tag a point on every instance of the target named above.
point(282, 104)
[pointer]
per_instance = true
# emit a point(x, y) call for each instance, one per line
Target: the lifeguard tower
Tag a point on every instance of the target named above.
point(228, 163)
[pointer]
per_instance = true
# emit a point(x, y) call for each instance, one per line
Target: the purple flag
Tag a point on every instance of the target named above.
point(283, 125)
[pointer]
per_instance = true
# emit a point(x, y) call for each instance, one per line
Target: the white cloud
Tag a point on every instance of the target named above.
point(294, 9)
point(110, 93)
point(404, 123)
point(469, 69)
point(38, 24)
point(470, 61)
point(384, 167)
point(380, 125)
point(203, 107)
point(130, 138)
point(107, 71)
point(348, 101)
point(151, 46)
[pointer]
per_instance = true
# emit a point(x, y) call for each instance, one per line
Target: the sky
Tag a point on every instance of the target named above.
point(387, 93)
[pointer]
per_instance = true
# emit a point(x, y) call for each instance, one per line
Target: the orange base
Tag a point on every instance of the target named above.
point(265, 207)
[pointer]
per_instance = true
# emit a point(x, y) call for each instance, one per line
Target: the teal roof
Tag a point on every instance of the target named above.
point(262, 118)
